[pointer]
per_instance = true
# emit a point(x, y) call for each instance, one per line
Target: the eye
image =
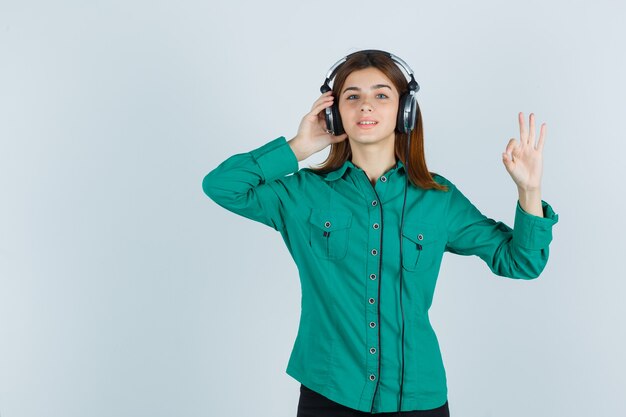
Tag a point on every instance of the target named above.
point(352, 97)
point(381, 95)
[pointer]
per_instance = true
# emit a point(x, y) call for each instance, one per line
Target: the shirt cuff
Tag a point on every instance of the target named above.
point(276, 159)
point(534, 232)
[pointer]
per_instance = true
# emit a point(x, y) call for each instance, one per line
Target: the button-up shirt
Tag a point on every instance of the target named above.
point(344, 236)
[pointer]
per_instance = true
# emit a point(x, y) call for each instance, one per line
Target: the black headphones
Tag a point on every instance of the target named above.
point(407, 108)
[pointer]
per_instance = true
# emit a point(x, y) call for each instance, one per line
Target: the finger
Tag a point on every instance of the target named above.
point(322, 100)
point(506, 159)
point(510, 147)
point(326, 94)
point(507, 155)
point(531, 128)
point(319, 106)
point(522, 128)
point(542, 137)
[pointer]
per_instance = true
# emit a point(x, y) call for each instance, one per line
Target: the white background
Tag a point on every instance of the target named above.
point(125, 291)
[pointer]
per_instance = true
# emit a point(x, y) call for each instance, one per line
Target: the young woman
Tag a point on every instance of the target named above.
point(368, 229)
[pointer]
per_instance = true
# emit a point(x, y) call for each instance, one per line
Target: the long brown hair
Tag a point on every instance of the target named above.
point(341, 151)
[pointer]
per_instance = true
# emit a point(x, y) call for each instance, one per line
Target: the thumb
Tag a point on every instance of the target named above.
point(507, 155)
point(340, 138)
point(506, 159)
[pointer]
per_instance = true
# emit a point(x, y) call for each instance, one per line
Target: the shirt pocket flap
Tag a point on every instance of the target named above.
point(330, 220)
point(421, 233)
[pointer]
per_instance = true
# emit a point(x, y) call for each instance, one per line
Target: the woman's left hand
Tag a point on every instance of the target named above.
point(524, 160)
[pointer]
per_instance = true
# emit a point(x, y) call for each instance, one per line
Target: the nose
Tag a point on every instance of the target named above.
point(366, 107)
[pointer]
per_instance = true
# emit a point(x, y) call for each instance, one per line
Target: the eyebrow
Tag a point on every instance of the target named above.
point(374, 87)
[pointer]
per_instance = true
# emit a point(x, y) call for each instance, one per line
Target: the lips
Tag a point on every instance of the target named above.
point(367, 123)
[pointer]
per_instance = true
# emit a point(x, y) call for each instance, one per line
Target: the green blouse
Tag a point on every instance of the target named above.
point(344, 236)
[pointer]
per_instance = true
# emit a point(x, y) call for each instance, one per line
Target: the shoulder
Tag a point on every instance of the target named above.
point(300, 179)
point(310, 174)
point(307, 171)
point(440, 179)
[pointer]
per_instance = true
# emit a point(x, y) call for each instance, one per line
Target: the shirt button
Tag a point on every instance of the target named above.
point(374, 252)
point(374, 202)
point(375, 225)
point(372, 301)
point(420, 237)
point(372, 350)
point(372, 324)
point(372, 276)
point(327, 224)
point(372, 377)
point(383, 178)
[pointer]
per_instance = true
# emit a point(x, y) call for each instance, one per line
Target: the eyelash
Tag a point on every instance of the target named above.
point(354, 95)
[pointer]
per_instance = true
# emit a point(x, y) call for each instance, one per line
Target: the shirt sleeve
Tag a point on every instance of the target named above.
point(242, 183)
point(521, 252)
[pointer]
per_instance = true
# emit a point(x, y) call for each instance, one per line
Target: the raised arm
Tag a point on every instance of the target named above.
point(521, 252)
point(244, 183)
point(253, 184)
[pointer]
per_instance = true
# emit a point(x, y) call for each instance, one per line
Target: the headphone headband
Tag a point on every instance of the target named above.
point(413, 85)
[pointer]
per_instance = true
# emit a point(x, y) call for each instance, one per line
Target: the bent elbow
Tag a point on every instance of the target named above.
point(527, 267)
point(531, 268)
point(207, 185)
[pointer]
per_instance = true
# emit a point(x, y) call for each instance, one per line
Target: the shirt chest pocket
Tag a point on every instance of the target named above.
point(419, 246)
point(329, 230)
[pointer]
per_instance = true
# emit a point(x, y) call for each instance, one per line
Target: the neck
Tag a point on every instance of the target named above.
point(374, 159)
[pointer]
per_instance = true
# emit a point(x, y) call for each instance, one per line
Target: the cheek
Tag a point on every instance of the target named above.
point(345, 110)
point(391, 111)
point(345, 104)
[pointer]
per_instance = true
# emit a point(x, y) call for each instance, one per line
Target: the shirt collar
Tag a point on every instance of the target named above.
point(339, 172)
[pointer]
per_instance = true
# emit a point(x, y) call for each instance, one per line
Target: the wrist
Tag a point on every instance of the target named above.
point(301, 151)
point(530, 201)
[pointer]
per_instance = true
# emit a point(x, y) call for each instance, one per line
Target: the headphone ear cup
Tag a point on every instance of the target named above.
point(407, 113)
point(401, 123)
point(339, 125)
point(333, 120)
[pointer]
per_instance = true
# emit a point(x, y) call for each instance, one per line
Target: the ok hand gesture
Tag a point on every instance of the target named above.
point(524, 160)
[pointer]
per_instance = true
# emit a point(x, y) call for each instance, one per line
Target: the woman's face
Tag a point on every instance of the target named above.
point(368, 105)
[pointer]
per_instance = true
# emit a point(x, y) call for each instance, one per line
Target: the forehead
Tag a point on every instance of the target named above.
point(365, 78)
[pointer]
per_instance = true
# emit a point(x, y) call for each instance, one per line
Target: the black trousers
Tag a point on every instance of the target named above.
point(312, 404)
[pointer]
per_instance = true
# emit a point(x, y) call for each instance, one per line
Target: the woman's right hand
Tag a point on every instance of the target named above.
point(312, 136)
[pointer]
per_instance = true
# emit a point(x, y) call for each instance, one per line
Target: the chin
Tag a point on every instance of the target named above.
point(368, 138)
